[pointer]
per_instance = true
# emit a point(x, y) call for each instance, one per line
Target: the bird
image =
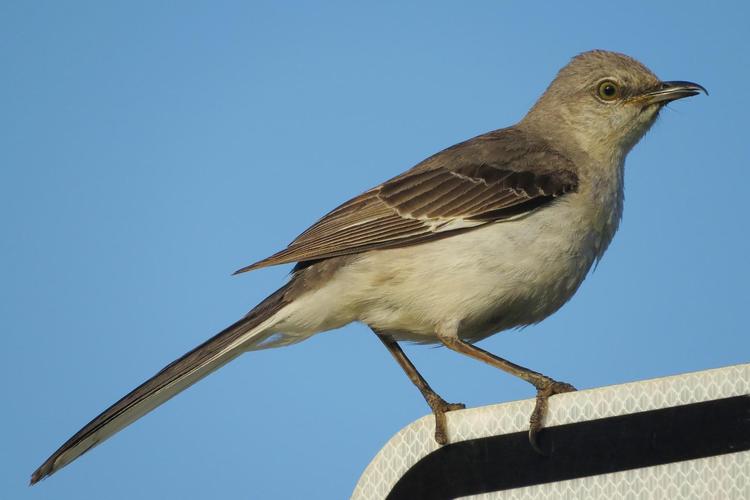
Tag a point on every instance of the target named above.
point(493, 233)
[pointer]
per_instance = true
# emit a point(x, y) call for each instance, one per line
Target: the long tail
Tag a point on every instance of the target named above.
point(172, 379)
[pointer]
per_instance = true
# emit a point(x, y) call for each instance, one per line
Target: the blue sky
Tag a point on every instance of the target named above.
point(147, 150)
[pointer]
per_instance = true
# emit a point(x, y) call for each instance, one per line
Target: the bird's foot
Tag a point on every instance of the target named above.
point(439, 408)
point(544, 390)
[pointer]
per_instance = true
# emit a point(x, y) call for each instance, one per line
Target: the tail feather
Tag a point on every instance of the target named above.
point(172, 379)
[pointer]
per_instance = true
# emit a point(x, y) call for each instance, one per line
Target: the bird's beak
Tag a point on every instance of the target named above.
point(671, 91)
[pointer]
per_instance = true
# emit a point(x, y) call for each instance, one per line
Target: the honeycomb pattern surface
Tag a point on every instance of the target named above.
point(726, 476)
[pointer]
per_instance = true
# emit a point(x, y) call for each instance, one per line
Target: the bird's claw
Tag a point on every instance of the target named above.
point(536, 421)
point(439, 408)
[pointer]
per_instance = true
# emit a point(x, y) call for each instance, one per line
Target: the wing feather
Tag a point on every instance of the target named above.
point(487, 179)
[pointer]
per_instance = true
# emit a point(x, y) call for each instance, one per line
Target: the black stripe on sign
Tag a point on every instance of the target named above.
point(582, 449)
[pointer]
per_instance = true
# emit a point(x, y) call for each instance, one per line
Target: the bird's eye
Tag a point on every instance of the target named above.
point(608, 90)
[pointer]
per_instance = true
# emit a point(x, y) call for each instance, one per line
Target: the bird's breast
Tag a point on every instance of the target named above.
point(495, 277)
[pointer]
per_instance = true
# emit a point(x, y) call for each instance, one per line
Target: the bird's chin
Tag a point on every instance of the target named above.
point(649, 115)
point(651, 110)
point(640, 125)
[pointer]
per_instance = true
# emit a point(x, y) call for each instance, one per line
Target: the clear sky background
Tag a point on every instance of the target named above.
point(149, 149)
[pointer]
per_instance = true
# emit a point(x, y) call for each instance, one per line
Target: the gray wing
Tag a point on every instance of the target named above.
point(492, 177)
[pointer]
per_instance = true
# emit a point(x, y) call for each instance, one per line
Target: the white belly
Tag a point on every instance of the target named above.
point(496, 277)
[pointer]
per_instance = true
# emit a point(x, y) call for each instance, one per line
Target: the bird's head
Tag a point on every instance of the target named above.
point(605, 102)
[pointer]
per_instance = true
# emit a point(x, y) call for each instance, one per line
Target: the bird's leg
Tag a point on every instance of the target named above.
point(545, 386)
point(439, 405)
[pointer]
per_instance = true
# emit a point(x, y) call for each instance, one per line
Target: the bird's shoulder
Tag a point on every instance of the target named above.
point(508, 158)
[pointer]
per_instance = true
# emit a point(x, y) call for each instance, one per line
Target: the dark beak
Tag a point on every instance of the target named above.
point(671, 91)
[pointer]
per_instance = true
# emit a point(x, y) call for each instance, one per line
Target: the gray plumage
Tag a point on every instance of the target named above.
point(492, 233)
point(492, 177)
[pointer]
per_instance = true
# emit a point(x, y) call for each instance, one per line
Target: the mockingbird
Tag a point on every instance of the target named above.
point(493, 233)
